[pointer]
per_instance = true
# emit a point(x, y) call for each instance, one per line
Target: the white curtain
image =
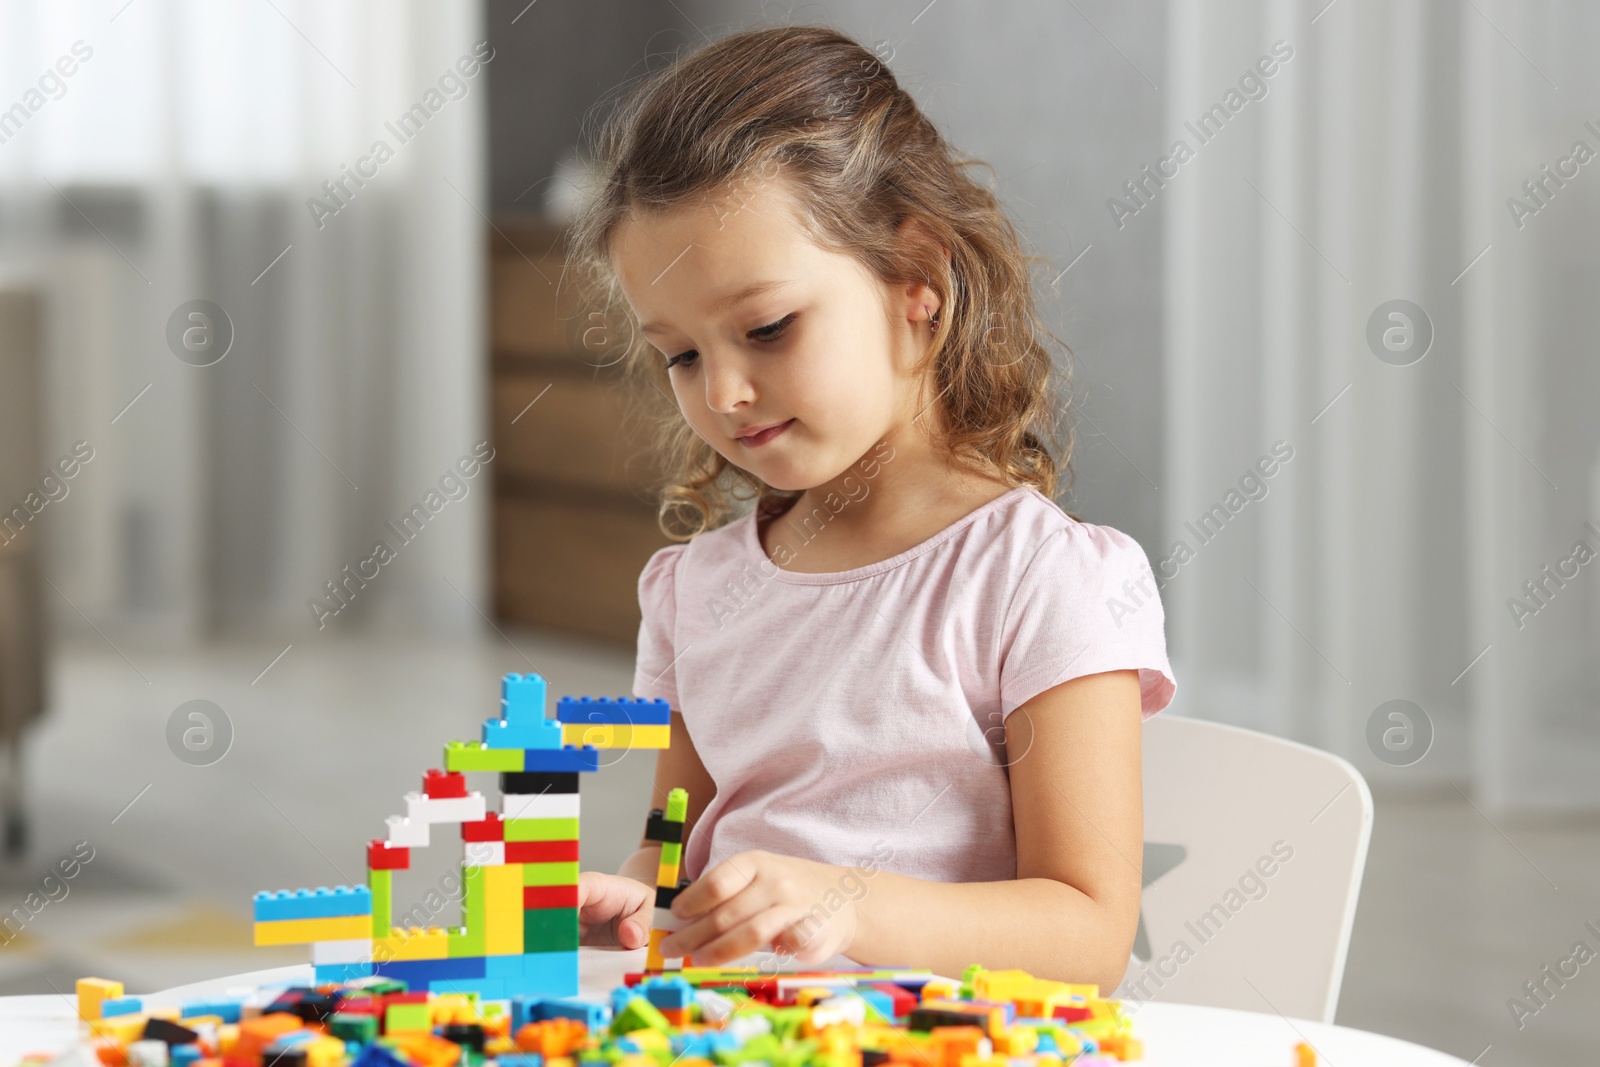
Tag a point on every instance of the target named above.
point(1385, 559)
point(159, 152)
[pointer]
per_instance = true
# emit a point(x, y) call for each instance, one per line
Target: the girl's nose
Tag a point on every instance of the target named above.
point(727, 383)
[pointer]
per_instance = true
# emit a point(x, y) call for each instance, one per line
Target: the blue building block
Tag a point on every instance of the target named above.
point(522, 695)
point(523, 723)
point(183, 1055)
point(503, 966)
point(540, 733)
point(376, 1055)
point(550, 974)
point(880, 1001)
point(520, 1059)
point(668, 991)
point(617, 710)
point(561, 760)
point(318, 903)
point(284, 1042)
point(121, 1006)
point(704, 1043)
point(228, 1009)
point(341, 972)
point(594, 1016)
point(525, 1008)
point(419, 975)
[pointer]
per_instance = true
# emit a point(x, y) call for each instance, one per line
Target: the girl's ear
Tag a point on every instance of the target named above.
point(922, 299)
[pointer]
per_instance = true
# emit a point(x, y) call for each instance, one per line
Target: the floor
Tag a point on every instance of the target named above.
point(165, 854)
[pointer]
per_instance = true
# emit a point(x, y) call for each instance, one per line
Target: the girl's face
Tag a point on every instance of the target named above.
point(762, 330)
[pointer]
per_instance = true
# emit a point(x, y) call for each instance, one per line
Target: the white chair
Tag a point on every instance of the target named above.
point(1254, 849)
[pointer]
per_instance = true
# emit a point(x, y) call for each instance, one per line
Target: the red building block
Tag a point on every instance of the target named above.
point(489, 828)
point(382, 856)
point(549, 896)
point(437, 783)
point(541, 851)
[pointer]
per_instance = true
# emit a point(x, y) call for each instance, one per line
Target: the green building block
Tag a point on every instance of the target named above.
point(475, 756)
point(550, 930)
point(640, 1014)
point(470, 938)
point(381, 885)
point(541, 829)
point(407, 1018)
point(550, 873)
point(352, 1026)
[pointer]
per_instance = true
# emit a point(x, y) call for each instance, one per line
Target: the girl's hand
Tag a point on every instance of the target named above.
point(614, 911)
point(756, 899)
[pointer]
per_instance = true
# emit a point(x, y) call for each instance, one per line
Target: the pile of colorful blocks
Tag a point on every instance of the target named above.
point(695, 1017)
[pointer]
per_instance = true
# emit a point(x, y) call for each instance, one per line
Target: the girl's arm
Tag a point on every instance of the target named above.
point(1077, 804)
point(1070, 914)
point(677, 765)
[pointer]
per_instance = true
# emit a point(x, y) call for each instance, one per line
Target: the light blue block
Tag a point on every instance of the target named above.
point(594, 1016)
point(541, 736)
point(522, 695)
point(552, 974)
point(667, 991)
point(120, 1006)
point(509, 966)
point(525, 1009)
point(228, 1010)
point(318, 903)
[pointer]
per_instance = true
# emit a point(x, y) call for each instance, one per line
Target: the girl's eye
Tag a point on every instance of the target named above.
point(770, 332)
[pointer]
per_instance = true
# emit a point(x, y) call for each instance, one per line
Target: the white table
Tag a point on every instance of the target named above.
point(1174, 1035)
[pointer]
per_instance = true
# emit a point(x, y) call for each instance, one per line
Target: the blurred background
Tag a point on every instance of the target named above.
point(275, 277)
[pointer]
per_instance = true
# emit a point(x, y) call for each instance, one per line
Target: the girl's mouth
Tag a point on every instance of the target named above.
point(757, 439)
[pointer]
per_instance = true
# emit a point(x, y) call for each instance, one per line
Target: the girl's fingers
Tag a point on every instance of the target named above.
point(608, 910)
point(750, 936)
point(738, 909)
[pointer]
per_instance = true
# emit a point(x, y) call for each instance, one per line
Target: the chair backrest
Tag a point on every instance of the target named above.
point(1254, 850)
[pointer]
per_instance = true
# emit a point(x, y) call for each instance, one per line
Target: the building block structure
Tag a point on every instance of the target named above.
point(666, 827)
point(519, 869)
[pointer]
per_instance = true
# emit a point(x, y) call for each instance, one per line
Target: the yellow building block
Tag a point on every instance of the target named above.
point(446, 1008)
point(124, 1028)
point(323, 1052)
point(412, 943)
point(307, 931)
point(92, 992)
point(617, 735)
point(502, 905)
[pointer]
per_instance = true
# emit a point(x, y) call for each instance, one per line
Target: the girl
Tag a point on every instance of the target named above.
point(906, 687)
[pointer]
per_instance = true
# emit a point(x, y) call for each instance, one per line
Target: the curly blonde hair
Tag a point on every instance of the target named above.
point(816, 107)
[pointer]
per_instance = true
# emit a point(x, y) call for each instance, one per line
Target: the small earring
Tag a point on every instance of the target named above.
point(933, 320)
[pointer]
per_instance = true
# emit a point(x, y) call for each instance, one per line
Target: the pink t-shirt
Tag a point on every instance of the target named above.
point(855, 716)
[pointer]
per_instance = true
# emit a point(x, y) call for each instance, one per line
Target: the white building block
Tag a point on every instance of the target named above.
point(539, 806)
point(423, 808)
point(407, 833)
point(355, 950)
point(485, 854)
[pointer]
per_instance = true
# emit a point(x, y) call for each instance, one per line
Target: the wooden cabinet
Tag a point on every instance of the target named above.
point(574, 478)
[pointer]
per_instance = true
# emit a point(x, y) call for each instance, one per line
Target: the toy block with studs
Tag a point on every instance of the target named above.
point(666, 827)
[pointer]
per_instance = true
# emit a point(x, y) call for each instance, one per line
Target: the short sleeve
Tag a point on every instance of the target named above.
point(654, 670)
point(1086, 603)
